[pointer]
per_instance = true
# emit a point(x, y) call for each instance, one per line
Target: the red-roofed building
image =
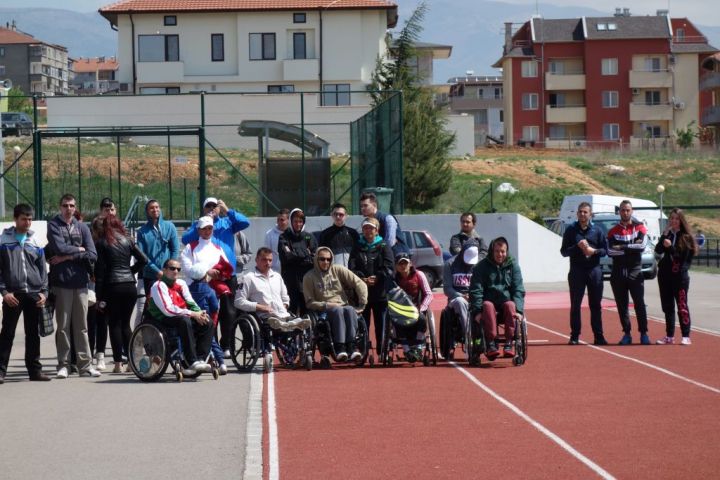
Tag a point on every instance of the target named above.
point(279, 46)
point(33, 65)
point(94, 75)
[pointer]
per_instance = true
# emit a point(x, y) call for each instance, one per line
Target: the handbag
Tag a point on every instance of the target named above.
point(47, 313)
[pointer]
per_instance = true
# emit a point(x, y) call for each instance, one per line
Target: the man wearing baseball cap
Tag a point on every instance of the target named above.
point(457, 273)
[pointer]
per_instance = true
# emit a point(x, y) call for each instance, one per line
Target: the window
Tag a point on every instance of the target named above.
point(556, 68)
point(529, 68)
point(2, 69)
point(158, 48)
point(610, 99)
point(502, 116)
point(609, 66)
point(2, 51)
point(336, 94)
point(680, 34)
point(159, 90)
point(281, 88)
point(611, 131)
point(530, 101)
point(262, 46)
point(557, 100)
point(612, 26)
point(299, 18)
point(480, 93)
point(531, 133)
point(652, 64)
point(498, 93)
point(217, 47)
point(653, 131)
point(421, 240)
point(481, 117)
point(170, 20)
point(299, 51)
point(557, 132)
point(602, 26)
point(652, 97)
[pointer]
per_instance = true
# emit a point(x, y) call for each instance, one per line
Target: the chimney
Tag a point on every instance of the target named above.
point(626, 12)
point(13, 26)
point(618, 12)
point(508, 37)
point(469, 73)
point(663, 13)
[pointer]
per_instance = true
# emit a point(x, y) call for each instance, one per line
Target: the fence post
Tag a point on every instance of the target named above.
point(119, 171)
point(79, 165)
point(302, 150)
point(170, 196)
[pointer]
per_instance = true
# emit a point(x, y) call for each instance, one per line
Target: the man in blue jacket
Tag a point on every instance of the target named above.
point(585, 243)
point(226, 223)
point(158, 240)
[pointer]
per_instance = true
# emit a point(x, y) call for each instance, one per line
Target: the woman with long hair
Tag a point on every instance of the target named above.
point(115, 285)
point(678, 247)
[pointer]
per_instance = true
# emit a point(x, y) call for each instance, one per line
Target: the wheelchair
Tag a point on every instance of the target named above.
point(324, 344)
point(154, 347)
point(452, 334)
point(391, 345)
point(254, 338)
point(479, 345)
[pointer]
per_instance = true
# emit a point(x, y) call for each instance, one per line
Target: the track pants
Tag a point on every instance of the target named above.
point(624, 281)
point(674, 291)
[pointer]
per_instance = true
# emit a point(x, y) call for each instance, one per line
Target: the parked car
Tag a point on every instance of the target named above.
point(426, 254)
point(16, 123)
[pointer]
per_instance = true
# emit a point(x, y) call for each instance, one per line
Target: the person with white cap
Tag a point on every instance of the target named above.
point(457, 273)
point(205, 298)
point(416, 285)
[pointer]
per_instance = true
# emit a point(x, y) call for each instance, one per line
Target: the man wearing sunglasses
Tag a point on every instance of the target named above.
point(71, 254)
point(339, 237)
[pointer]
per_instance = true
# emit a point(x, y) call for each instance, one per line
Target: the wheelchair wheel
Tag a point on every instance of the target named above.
point(362, 343)
point(308, 361)
point(446, 334)
point(468, 342)
point(245, 348)
point(433, 354)
point(147, 355)
point(268, 362)
point(385, 353)
point(521, 343)
point(325, 363)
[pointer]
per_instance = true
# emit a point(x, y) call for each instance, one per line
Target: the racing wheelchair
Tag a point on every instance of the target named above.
point(324, 344)
point(479, 345)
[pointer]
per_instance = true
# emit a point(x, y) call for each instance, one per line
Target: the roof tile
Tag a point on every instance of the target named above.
point(147, 6)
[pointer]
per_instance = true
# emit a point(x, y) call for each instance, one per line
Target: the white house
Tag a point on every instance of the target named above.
point(176, 46)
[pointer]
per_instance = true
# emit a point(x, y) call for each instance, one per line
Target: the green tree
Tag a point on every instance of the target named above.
point(685, 136)
point(18, 102)
point(426, 142)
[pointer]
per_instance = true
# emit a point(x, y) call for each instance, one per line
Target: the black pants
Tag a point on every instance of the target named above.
point(624, 281)
point(414, 334)
point(97, 329)
point(10, 318)
point(674, 291)
point(194, 338)
point(227, 316)
point(378, 309)
point(121, 298)
point(580, 279)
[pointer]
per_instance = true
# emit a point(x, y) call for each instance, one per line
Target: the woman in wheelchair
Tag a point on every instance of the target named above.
point(327, 289)
point(415, 284)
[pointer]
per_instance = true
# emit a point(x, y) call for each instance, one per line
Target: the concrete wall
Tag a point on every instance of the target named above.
point(463, 126)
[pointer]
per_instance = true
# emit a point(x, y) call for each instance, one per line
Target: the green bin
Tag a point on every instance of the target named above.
point(384, 197)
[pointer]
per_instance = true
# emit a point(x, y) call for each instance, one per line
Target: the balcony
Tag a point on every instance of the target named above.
point(710, 81)
point(645, 79)
point(574, 81)
point(459, 104)
point(711, 116)
point(565, 114)
point(641, 112)
point(300, 70)
point(160, 72)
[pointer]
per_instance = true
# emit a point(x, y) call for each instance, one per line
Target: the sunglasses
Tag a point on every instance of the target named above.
point(174, 269)
point(68, 205)
point(338, 214)
point(324, 259)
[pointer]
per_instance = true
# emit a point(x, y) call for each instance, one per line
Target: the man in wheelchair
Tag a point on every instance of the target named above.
point(263, 292)
point(497, 293)
point(172, 305)
point(327, 288)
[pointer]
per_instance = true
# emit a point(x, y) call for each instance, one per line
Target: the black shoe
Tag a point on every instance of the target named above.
point(39, 377)
point(2, 378)
point(574, 341)
point(600, 340)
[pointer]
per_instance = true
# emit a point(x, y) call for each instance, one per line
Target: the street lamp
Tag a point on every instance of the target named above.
point(661, 191)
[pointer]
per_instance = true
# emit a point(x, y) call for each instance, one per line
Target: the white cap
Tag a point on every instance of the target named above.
point(210, 200)
point(471, 255)
point(370, 221)
point(204, 222)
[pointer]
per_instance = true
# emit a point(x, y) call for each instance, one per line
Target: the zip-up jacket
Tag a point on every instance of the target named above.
point(333, 285)
point(66, 239)
point(113, 264)
point(341, 241)
point(22, 267)
point(497, 284)
point(376, 259)
point(171, 299)
point(159, 243)
point(595, 238)
point(632, 240)
point(296, 251)
point(224, 230)
point(674, 260)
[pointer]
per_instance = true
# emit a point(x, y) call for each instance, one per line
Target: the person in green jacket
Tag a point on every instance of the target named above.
point(496, 288)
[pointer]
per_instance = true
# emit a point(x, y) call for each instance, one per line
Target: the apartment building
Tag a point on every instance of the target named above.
point(92, 76)
point(35, 66)
point(480, 96)
point(275, 46)
point(601, 81)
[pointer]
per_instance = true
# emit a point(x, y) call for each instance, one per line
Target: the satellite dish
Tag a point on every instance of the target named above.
point(7, 83)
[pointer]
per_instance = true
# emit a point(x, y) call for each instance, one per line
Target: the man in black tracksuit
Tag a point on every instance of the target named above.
point(338, 237)
point(585, 243)
point(296, 248)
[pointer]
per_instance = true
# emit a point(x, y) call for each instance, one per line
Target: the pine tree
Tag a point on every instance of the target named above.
point(426, 142)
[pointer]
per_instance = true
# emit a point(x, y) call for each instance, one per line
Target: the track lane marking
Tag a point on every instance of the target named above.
point(273, 453)
point(640, 362)
point(601, 472)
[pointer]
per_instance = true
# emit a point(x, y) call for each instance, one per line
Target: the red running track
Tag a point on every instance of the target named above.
point(623, 412)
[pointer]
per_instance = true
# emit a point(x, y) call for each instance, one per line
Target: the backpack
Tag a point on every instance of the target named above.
point(401, 310)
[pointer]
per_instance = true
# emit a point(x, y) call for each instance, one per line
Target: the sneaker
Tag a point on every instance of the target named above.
point(508, 350)
point(685, 341)
point(644, 339)
point(342, 356)
point(100, 361)
point(201, 367)
point(600, 340)
point(356, 355)
point(62, 373)
point(227, 354)
point(118, 368)
point(90, 372)
point(665, 341)
point(223, 369)
point(625, 340)
point(298, 323)
point(492, 351)
point(574, 340)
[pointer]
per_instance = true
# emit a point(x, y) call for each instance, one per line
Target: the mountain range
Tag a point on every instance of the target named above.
point(474, 29)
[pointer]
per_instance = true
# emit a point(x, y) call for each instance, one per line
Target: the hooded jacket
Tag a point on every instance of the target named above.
point(66, 239)
point(375, 259)
point(22, 267)
point(457, 274)
point(296, 251)
point(497, 284)
point(158, 242)
point(333, 285)
point(224, 230)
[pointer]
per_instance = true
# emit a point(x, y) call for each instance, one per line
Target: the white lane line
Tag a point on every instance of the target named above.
point(273, 457)
point(640, 362)
point(601, 472)
point(254, 429)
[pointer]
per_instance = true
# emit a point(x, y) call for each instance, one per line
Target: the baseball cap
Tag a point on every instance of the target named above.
point(205, 222)
point(470, 256)
point(370, 221)
point(210, 200)
point(402, 257)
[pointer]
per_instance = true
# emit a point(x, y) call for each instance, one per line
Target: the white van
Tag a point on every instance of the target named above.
point(608, 204)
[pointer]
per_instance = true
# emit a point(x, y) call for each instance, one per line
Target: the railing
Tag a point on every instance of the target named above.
point(711, 115)
point(690, 39)
point(709, 254)
point(710, 80)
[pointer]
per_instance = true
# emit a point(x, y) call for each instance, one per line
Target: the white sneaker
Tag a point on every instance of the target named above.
point(355, 356)
point(62, 373)
point(90, 372)
point(226, 354)
point(100, 361)
point(665, 341)
point(223, 369)
point(685, 341)
point(201, 367)
point(342, 356)
point(188, 372)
